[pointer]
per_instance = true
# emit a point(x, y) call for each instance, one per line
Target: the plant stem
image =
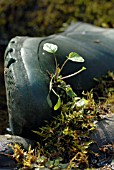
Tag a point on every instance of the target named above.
point(64, 64)
point(55, 60)
point(55, 92)
point(56, 66)
point(71, 75)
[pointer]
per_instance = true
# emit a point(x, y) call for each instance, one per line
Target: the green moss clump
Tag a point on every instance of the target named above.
point(65, 142)
point(67, 137)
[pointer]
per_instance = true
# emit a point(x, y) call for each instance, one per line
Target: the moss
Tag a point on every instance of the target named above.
point(65, 142)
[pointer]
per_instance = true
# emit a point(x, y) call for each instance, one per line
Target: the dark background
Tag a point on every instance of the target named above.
point(42, 18)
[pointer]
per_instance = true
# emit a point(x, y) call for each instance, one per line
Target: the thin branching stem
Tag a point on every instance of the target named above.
point(71, 75)
point(64, 64)
point(55, 61)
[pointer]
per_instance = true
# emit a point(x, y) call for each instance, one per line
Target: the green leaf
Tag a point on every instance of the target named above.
point(64, 166)
point(49, 47)
point(49, 100)
point(58, 71)
point(42, 160)
point(39, 133)
point(70, 92)
point(51, 84)
point(56, 162)
point(81, 103)
point(50, 164)
point(58, 104)
point(75, 57)
point(83, 68)
point(66, 131)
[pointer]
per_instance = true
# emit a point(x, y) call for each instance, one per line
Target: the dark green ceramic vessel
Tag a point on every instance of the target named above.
point(26, 65)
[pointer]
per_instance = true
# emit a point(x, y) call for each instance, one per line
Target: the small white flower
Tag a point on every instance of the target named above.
point(51, 48)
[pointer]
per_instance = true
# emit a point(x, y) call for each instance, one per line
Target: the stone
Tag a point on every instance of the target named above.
point(6, 162)
point(104, 138)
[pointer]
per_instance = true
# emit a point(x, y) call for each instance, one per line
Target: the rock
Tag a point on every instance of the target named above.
point(104, 142)
point(26, 65)
point(6, 162)
point(103, 136)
